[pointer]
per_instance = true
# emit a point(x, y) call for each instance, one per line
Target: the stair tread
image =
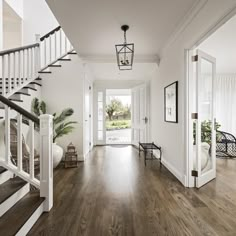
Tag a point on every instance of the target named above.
point(45, 72)
point(54, 65)
point(16, 100)
point(36, 83)
point(72, 53)
point(64, 59)
point(2, 169)
point(23, 93)
point(10, 187)
point(13, 220)
point(27, 87)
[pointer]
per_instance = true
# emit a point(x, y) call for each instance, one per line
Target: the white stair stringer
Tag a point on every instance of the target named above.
point(31, 221)
point(13, 199)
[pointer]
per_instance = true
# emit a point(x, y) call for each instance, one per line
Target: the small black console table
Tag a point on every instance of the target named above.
point(149, 147)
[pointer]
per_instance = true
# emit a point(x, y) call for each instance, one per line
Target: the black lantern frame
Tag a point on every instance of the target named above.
point(125, 52)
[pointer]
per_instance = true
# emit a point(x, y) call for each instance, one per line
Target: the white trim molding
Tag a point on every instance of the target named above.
point(183, 24)
point(182, 178)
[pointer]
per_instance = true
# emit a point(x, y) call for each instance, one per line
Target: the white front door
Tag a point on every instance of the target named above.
point(205, 134)
point(140, 116)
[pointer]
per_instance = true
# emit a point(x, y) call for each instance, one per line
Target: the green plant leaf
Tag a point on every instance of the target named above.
point(43, 107)
point(64, 115)
point(35, 106)
point(59, 132)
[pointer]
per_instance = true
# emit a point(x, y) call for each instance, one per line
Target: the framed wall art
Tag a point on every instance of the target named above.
point(171, 103)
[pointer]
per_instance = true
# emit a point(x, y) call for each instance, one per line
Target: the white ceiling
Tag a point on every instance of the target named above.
point(93, 27)
point(222, 46)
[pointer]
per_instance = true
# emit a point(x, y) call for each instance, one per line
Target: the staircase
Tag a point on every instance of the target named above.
point(24, 193)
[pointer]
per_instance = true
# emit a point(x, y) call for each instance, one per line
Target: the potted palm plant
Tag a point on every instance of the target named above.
point(61, 127)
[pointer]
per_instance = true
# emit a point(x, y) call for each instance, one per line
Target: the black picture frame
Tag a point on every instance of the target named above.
point(171, 103)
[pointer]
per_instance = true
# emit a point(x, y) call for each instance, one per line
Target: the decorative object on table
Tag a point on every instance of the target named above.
point(225, 145)
point(125, 52)
point(146, 147)
point(60, 126)
point(171, 102)
point(71, 157)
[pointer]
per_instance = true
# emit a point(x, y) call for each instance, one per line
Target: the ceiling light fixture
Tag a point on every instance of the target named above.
point(125, 52)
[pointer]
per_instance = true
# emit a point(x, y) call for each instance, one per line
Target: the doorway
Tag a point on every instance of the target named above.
point(118, 116)
point(211, 105)
point(121, 115)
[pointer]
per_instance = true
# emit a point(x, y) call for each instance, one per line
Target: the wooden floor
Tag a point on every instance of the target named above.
point(113, 193)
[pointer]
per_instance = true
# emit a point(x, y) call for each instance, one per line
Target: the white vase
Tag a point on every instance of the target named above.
point(57, 154)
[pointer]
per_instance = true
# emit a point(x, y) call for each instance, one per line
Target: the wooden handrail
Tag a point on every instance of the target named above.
point(2, 53)
point(51, 32)
point(19, 109)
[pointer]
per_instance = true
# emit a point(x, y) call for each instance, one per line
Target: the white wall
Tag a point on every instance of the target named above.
point(62, 89)
point(38, 19)
point(171, 137)
point(17, 6)
point(12, 28)
point(1, 24)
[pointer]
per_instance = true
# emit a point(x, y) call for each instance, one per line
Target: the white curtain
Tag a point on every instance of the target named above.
point(225, 94)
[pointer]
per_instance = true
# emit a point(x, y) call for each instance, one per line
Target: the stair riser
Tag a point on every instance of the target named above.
point(31, 221)
point(17, 97)
point(5, 176)
point(13, 199)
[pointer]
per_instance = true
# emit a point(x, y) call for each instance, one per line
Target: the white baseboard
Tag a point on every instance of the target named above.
point(13, 199)
point(6, 175)
point(174, 171)
point(31, 221)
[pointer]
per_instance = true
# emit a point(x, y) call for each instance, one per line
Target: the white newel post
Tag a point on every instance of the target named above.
point(46, 162)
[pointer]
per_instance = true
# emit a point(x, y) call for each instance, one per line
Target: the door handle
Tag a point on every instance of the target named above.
point(145, 120)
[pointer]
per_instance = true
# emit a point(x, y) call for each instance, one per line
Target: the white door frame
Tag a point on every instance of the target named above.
point(95, 116)
point(146, 86)
point(188, 98)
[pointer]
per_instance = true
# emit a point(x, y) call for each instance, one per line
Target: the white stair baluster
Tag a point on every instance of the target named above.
point(14, 70)
point(50, 49)
point(55, 46)
point(32, 63)
point(9, 72)
point(45, 52)
point(65, 43)
point(3, 76)
point(19, 68)
point(31, 149)
point(7, 134)
point(60, 31)
point(19, 141)
point(23, 66)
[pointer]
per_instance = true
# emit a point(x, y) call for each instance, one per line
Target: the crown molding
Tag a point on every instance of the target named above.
point(183, 24)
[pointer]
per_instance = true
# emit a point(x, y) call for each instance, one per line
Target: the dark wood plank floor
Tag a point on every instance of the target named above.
point(112, 193)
